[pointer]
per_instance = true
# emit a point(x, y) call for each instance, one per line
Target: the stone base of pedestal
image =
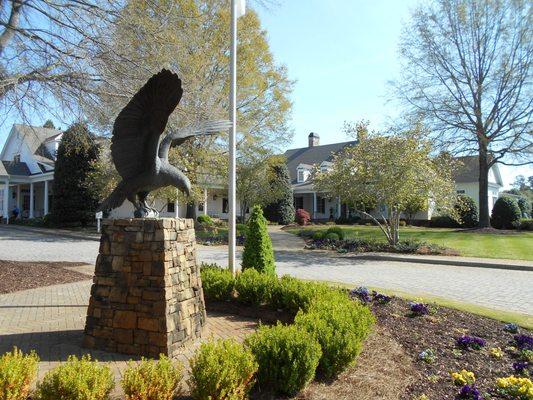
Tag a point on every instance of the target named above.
point(146, 297)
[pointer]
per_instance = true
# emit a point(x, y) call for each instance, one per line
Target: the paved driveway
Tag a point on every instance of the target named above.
point(494, 288)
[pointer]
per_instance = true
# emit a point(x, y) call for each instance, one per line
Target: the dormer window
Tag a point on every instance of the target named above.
point(16, 158)
point(303, 172)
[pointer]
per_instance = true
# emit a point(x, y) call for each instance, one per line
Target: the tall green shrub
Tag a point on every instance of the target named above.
point(287, 357)
point(258, 252)
point(17, 371)
point(75, 197)
point(222, 370)
point(466, 210)
point(282, 210)
point(505, 213)
point(340, 326)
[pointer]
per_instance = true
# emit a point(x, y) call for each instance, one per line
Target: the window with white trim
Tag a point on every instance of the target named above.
point(301, 175)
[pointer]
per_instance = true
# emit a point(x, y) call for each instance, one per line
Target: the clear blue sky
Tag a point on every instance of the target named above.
point(342, 53)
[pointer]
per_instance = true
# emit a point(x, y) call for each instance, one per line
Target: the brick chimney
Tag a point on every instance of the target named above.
point(314, 139)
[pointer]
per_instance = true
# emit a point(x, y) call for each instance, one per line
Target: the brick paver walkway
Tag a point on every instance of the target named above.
point(50, 320)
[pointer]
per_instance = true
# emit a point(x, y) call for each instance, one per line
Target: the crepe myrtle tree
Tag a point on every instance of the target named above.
point(392, 172)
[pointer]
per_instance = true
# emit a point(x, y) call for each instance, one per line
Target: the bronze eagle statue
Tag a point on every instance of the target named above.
point(139, 152)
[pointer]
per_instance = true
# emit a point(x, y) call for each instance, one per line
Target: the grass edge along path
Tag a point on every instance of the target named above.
point(524, 320)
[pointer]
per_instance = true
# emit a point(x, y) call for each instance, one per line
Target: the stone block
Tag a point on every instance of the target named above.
point(146, 297)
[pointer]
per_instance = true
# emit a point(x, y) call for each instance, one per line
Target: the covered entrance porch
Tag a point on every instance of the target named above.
point(32, 197)
point(319, 206)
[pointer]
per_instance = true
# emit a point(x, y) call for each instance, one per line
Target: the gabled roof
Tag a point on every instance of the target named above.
point(16, 168)
point(468, 171)
point(36, 136)
point(312, 155)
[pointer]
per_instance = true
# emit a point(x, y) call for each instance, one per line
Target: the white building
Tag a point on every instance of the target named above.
point(320, 206)
point(27, 171)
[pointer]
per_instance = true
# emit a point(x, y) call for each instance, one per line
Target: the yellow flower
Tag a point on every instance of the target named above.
point(463, 377)
point(521, 388)
point(496, 352)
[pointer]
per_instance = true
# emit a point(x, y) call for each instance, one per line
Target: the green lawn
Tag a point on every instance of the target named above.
point(517, 246)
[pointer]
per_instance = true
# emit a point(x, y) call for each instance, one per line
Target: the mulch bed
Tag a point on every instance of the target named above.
point(438, 331)
point(16, 275)
point(389, 366)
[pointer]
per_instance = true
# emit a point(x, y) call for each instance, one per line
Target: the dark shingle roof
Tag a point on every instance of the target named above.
point(468, 170)
point(312, 155)
point(16, 168)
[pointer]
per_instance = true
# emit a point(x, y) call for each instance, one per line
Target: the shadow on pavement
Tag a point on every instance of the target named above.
point(56, 346)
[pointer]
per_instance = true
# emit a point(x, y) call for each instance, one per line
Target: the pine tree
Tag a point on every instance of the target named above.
point(282, 210)
point(75, 199)
point(258, 252)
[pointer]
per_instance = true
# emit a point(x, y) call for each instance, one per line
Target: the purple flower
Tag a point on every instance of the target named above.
point(381, 298)
point(511, 328)
point(470, 342)
point(469, 392)
point(418, 309)
point(362, 294)
point(523, 342)
point(520, 367)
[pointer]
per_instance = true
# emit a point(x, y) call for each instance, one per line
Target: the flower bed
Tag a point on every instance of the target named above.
point(324, 240)
point(459, 355)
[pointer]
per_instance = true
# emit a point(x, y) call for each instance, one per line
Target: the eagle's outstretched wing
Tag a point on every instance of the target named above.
point(140, 124)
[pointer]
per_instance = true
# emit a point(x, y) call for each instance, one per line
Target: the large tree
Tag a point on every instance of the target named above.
point(281, 210)
point(193, 37)
point(75, 198)
point(392, 172)
point(466, 71)
point(47, 48)
point(254, 177)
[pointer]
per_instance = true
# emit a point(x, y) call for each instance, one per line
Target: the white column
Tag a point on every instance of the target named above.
point(176, 205)
point(205, 201)
point(314, 205)
point(6, 201)
point(31, 200)
point(45, 200)
point(18, 197)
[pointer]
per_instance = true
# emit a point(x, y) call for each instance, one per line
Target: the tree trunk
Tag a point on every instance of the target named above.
point(484, 217)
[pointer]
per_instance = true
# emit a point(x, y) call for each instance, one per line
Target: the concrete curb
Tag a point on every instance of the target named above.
point(439, 261)
point(56, 232)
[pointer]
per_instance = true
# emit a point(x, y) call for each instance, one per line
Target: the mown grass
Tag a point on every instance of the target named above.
point(514, 246)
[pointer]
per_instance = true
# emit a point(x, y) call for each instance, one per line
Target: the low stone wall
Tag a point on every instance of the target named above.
point(147, 296)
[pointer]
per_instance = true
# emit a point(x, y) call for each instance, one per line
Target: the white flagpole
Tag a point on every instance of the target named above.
point(232, 134)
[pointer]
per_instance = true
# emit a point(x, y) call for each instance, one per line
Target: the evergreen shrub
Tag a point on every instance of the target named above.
point(217, 283)
point(255, 288)
point(258, 252)
point(505, 213)
point(17, 371)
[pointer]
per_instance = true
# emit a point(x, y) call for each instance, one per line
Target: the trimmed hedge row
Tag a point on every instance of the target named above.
point(85, 379)
point(327, 335)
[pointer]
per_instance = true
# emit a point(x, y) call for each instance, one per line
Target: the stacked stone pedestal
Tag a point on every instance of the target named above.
point(146, 297)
